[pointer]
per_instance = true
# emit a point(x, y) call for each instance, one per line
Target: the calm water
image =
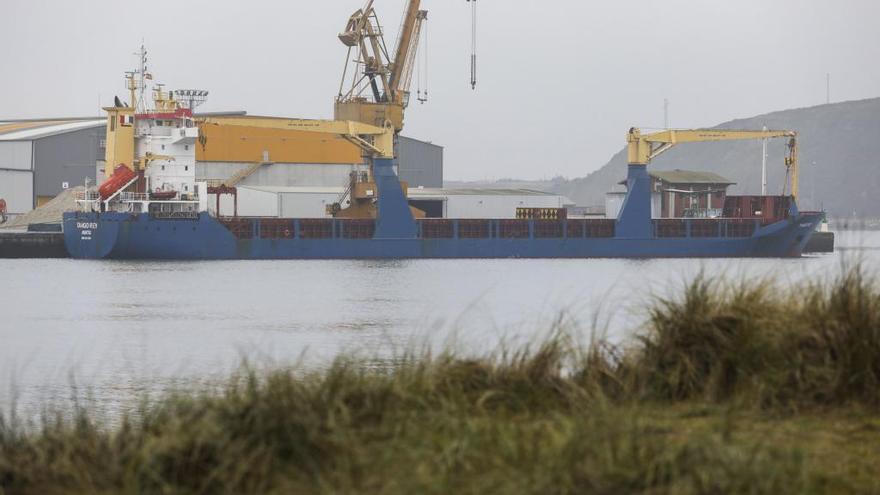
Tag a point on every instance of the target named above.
point(111, 331)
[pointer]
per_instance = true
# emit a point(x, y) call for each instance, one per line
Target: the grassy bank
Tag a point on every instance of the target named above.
point(730, 388)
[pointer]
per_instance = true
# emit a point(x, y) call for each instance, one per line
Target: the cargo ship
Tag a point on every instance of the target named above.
point(153, 207)
point(159, 211)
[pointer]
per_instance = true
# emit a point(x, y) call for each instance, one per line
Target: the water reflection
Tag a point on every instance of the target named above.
point(119, 329)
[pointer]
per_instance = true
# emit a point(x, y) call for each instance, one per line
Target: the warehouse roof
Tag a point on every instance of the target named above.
point(413, 191)
point(688, 177)
point(30, 129)
point(27, 130)
point(429, 143)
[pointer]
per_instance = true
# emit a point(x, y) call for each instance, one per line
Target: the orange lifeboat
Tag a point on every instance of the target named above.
point(122, 175)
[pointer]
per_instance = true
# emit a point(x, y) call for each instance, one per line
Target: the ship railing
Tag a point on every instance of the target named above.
point(155, 131)
point(86, 196)
point(175, 215)
point(133, 196)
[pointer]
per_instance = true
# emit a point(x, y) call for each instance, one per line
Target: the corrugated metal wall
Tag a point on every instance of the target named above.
point(279, 174)
point(15, 155)
point(66, 158)
point(17, 188)
point(294, 205)
point(420, 163)
point(16, 177)
point(261, 203)
point(251, 203)
point(614, 203)
point(496, 205)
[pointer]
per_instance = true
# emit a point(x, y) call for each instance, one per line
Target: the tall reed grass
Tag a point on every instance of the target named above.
point(817, 344)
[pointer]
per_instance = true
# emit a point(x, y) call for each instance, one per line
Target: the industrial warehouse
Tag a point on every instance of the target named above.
point(41, 158)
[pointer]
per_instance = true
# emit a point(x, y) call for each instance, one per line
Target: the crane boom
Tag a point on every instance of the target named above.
point(375, 141)
point(642, 148)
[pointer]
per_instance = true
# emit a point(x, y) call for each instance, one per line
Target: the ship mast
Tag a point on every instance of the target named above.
point(137, 81)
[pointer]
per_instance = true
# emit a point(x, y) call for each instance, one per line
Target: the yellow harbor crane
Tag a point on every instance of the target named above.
point(378, 91)
point(379, 86)
point(368, 114)
point(642, 148)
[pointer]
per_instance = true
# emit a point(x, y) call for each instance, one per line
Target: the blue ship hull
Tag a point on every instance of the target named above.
point(126, 236)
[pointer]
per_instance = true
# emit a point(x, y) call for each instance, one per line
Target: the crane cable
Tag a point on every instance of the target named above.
point(473, 43)
point(422, 62)
point(419, 78)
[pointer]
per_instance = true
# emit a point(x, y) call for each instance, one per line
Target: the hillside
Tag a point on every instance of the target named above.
point(843, 139)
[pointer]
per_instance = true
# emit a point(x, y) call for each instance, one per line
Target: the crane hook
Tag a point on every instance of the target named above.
point(473, 43)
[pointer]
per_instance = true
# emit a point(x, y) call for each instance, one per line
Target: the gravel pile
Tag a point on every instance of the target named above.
point(50, 212)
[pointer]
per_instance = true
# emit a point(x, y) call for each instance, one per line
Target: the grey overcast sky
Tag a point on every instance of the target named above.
point(560, 81)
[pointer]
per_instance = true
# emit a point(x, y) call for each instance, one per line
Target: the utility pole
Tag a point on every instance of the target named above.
point(666, 113)
point(764, 166)
point(828, 88)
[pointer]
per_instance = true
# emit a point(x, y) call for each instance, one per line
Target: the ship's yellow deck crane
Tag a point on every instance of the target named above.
point(642, 148)
point(374, 141)
point(377, 96)
point(379, 88)
point(370, 112)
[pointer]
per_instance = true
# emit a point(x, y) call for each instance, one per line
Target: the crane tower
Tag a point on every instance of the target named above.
point(378, 91)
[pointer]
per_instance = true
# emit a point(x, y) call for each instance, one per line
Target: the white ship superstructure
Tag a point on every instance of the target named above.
point(156, 150)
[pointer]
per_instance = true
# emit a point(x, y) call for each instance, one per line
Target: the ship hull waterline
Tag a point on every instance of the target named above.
point(93, 235)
